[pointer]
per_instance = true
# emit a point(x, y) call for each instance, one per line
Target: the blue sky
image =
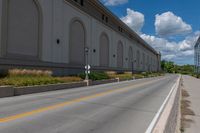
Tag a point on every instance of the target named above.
point(170, 26)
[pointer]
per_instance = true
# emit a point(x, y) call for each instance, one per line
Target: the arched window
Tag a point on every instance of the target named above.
point(143, 61)
point(130, 54)
point(151, 64)
point(104, 50)
point(120, 55)
point(23, 28)
point(77, 43)
point(146, 63)
point(138, 59)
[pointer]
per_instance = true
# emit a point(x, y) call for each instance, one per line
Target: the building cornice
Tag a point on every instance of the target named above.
point(123, 25)
point(116, 20)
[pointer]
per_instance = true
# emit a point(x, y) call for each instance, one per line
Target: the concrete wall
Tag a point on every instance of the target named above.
point(55, 22)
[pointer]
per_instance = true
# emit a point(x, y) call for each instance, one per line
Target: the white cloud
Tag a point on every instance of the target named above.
point(188, 53)
point(169, 24)
point(176, 51)
point(168, 57)
point(166, 24)
point(170, 50)
point(134, 19)
point(114, 2)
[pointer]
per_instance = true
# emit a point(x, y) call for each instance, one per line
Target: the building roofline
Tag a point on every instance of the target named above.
point(144, 43)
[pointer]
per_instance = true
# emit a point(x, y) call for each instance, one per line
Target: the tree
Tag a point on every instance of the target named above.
point(171, 67)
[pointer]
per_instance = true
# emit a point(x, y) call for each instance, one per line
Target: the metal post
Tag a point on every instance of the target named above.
point(86, 64)
point(132, 68)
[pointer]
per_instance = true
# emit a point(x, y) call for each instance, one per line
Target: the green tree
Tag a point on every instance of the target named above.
point(171, 67)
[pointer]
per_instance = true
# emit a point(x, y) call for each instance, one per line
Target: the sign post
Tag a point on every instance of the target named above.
point(87, 72)
point(87, 66)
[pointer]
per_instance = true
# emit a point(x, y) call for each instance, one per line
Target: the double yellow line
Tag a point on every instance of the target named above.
point(63, 104)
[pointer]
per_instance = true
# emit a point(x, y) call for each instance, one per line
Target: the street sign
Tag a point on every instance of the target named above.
point(87, 72)
point(87, 67)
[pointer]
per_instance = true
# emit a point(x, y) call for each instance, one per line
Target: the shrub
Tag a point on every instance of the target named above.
point(138, 76)
point(29, 81)
point(24, 77)
point(145, 74)
point(70, 79)
point(3, 73)
point(110, 72)
point(95, 76)
point(26, 72)
point(186, 73)
point(125, 76)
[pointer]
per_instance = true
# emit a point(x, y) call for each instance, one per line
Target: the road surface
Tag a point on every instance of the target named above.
point(126, 107)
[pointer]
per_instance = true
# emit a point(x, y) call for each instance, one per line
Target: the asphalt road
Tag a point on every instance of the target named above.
point(126, 107)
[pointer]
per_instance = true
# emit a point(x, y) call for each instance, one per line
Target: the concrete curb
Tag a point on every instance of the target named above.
point(178, 126)
point(6, 91)
point(167, 121)
point(98, 82)
point(17, 91)
point(37, 89)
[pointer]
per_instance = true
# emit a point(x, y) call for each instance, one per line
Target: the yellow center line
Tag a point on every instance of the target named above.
point(63, 104)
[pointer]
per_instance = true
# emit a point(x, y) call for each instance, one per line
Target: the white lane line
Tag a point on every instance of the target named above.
point(156, 117)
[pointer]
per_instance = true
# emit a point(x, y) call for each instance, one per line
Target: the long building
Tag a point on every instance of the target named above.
point(197, 56)
point(63, 34)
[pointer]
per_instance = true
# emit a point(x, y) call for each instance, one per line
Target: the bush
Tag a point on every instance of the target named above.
point(95, 76)
point(124, 76)
point(145, 74)
point(35, 80)
point(186, 73)
point(70, 79)
point(138, 76)
point(29, 81)
point(26, 72)
point(24, 77)
point(3, 73)
point(155, 74)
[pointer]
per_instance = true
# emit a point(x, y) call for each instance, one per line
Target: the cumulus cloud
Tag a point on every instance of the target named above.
point(134, 19)
point(114, 2)
point(169, 24)
point(165, 24)
point(170, 50)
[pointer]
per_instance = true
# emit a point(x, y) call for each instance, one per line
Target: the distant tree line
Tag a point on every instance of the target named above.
point(171, 67)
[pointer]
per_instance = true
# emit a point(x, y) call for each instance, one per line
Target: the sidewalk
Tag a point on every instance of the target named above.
point(192, 86)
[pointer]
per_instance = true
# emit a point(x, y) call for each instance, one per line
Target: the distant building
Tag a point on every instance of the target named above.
point(197, 56)
point(54, 34)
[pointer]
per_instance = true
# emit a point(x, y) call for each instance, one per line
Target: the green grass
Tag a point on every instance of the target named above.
point(129, 76)
point(196, 75)
point(18, 81)
point(96, 76)
point(24, 77)
point(125, 76)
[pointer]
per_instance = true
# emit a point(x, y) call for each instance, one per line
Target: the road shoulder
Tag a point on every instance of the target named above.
point(192, 87)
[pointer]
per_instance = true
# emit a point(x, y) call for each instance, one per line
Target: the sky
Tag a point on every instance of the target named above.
point(170, 26)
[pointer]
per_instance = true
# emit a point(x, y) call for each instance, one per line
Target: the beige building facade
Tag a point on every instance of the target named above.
point(53, 34)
